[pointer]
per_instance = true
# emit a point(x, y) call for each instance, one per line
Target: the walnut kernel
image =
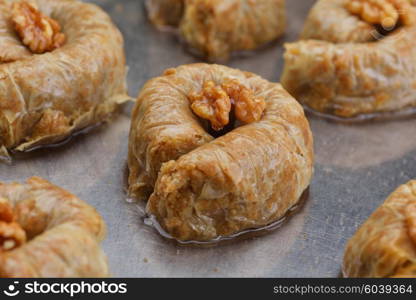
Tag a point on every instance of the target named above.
point(214, 103)
point(387, 13)
point(248, 107)
point(37, 31)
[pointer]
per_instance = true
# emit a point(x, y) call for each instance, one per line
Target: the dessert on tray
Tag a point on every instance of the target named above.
point(215, 28)
point(62, 69)
point(218, 151)
point(47, 232)
point(355, 59)
point(385, 245)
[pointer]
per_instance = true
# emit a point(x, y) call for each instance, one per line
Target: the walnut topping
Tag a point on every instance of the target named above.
point(37, 31)
point(11, 234)
point(214, 103)
point(248, 108)
point(387, 13)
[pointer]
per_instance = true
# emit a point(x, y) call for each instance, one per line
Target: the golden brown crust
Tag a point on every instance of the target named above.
point(385, 245)
point(210, 187)
point(352, 70)
point(63, 233)
point(44, 98)
point(215, 28)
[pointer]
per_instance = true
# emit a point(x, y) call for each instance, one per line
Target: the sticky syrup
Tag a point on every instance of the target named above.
point(150, 220)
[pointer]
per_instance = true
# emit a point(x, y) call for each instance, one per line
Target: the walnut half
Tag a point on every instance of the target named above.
point(12, 234)
point(387, 13)
point(248, 107)
point(214, 103)
point(37, 31)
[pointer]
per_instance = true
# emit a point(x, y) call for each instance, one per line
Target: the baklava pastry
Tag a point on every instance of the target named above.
point(219, 151)
point(47, 232)
point(215, 28)
point(356, 59)
point(62, 69)
point(385, 245)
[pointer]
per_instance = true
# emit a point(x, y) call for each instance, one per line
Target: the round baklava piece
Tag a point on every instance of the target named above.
point(62, 69)
point(385, 245)
point(356, 60)
point(217, 151)
point(47, 232)
point(215, 28)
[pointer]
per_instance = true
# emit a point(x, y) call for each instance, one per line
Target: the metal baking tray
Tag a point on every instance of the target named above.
point(357, 166)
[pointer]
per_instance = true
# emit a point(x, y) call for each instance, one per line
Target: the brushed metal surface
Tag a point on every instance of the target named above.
point(357, 166)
